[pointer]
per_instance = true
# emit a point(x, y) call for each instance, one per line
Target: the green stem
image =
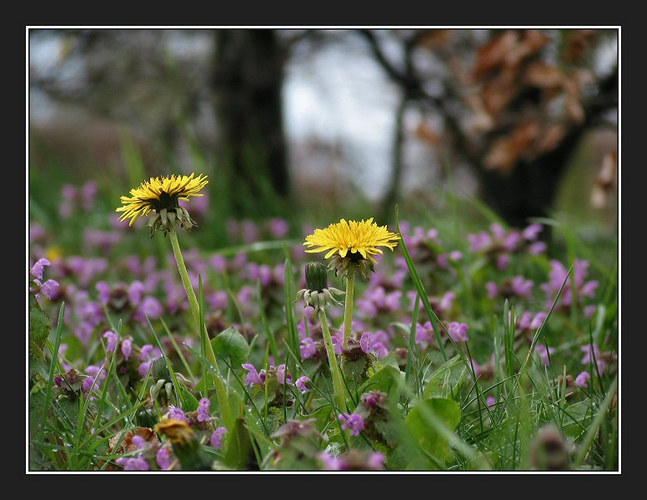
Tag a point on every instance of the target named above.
point(348, 306)
point(337, 381)
point(221, 390)
point(184, 275)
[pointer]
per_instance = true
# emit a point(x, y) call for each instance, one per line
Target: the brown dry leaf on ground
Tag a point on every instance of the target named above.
point(126, 445)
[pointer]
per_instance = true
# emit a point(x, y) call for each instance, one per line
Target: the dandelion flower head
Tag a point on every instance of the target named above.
point(361, 238)
point(162, 194)
point(352, 245)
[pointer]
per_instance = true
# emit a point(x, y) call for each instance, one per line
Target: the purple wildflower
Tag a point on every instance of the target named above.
point(303, 384)
point(143, 368)
point(150, 307)
point(203, 410)
point(458, 331)
point(544, 353)
point(138, 441)
point(591, 352)
point(278, 227)
point(502, 261)
point(281, 376)
point(135, 292)
point(582, 380)
point(38, 268)
point(308, 348)
point(253, 377)
point(217, 437)
point(104, 291)
point(337, 344)
point(354, 423)
point(370, 345)
point(96, 371)
point(49, 288)
point(218, 300)
point(112, 340)
point(423, 334)
point(127, 348)
point(163, 458)
point(134, 463)
point(177, 414)
point(331, 462)
point(376, 461)
point(88, 383)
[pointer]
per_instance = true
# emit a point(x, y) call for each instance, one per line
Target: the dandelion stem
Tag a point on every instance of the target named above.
point(337, 382)
point(184, 275)
point(348, 306)
point(221, 390)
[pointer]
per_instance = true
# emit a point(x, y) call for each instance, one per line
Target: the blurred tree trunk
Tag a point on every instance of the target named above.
point(247, 84)
point(530, 188)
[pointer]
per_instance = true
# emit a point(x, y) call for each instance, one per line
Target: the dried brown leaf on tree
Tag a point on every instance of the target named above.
point(550, 138)
point(432, 39)
point(492, 55)
point(508, 150)
point(480, 120)
point(543, 75)
point(427, 133)
point(578, 43)
point(499, 92)
point(530, 44)
point(606, 182)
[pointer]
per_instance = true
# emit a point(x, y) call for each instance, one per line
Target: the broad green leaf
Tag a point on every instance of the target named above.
point(232, 346)
point(384, 380)
point(239, 454)
point(421, 426)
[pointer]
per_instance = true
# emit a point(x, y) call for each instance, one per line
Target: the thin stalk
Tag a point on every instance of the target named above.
point(184, 275)
point(221, 390)
point(337, 382)
point(348, 306)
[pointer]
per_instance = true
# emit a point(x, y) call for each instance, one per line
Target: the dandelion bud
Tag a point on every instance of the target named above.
point(316, 276)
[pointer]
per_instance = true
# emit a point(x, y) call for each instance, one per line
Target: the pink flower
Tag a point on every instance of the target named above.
point(354, 423)
point(217, 437)
point(582, 380)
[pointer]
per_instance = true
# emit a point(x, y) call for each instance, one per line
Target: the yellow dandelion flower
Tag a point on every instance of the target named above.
point(351, 243)
point(363, 237)
point(161, 195)
point(177, 431)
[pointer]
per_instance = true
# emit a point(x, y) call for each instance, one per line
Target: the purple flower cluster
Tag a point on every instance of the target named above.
point(499, 244)
point(373, 343)
point(352, 422)
point(217, 437)
point(516, 286)
point(75, 199)
point(377, 302)
point(204, 406)
point(582, 289)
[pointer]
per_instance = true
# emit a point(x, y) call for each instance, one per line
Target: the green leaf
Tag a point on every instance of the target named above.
point(429, 440)
point(384, 380)
point(239, 454)
point(232, 346)
point(40, 325)
point(189, 400)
